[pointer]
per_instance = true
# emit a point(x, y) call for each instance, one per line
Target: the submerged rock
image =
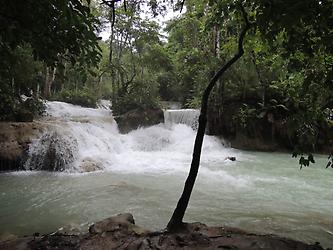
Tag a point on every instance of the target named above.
point(90, 165)
point(120, 232)
point(139, 118)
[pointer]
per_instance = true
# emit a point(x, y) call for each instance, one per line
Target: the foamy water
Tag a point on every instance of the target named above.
point(94, 136)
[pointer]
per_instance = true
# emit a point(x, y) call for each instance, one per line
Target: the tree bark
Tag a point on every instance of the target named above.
point(49, 80)
point(176, 221)
point(261, 82)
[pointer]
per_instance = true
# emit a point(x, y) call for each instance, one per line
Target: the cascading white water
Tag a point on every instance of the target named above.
point(188, 117)
point(83, 139)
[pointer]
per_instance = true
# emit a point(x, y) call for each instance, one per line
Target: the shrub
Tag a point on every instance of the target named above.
point(83, 97)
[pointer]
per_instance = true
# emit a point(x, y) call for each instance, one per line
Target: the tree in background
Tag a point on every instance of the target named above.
point(53, 32)
point(140, 66)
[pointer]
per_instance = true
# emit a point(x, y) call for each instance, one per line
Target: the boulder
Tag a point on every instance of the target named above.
point(15, 138)
point(52, 152)
point(112, 224)
point(90, 165)
point(139, 118)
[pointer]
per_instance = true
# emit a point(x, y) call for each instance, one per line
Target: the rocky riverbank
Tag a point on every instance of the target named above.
point(120, 232)
point(269, 132)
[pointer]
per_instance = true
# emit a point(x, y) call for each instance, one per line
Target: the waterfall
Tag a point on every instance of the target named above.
point(53, 151)
point(78, 139)
point(188, 117)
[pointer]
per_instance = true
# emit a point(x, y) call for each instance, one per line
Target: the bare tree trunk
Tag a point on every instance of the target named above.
point(62, 87)
point(13, 85)
point(176, 221)
point(49, 79)
point(37, 91)
point(112, 20)
point(113, 77)
point(216, 35)
point(53, 78)
point(218, 56)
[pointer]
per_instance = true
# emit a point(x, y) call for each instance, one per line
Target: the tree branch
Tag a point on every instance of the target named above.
point(182, 6)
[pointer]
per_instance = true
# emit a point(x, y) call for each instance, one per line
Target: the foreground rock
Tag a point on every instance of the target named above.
point(139, 118)
point(120, 232)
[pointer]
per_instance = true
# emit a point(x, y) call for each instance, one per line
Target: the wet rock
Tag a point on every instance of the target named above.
point(14, 143)
point(52, 152)
point(16, 244)
point(117, 233)
point(55, 242)
point(7, 237)
point(112, 224)
point(89, 165)
point(139, 118)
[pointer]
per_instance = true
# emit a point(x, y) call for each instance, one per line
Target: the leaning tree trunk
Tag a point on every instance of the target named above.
point(176, 220)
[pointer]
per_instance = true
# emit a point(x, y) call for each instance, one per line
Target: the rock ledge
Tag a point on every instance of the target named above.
point(120, 232)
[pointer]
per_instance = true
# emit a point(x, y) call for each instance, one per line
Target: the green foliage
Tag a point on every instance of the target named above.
point(33, 105)
point(305, 162)
point(7, 105)
point(286, 61)
point(83, 97)
point(140, 69)
point(54, 29)
point(244, 117)
point(36, 34)
point(131, 102)
point(192, 57)
point(15, 109)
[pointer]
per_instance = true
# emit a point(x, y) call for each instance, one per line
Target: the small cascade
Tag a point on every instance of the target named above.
point(52, 152)
point(188, 117)
point(75, 138)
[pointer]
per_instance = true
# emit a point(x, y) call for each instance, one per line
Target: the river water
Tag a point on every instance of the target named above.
point(143, 173)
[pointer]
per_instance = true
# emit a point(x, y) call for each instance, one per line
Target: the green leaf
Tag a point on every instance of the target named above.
point(311, 159)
